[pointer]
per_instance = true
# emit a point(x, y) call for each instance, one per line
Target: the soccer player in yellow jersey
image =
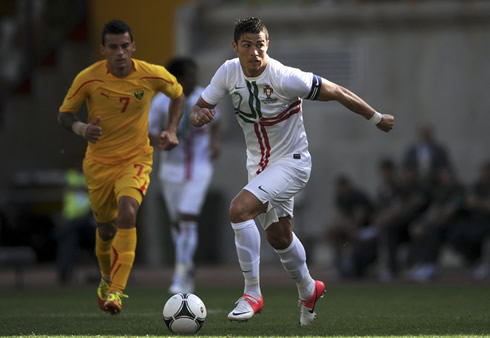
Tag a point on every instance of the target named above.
point(118, 160)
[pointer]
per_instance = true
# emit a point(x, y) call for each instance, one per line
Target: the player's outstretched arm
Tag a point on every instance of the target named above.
point(89, 131)
point(168, 137)
point(201, 113)
point(332, 91)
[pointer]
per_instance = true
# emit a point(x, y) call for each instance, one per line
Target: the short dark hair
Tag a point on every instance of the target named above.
point(249, 25)
point(179, 65)
point(116, 27)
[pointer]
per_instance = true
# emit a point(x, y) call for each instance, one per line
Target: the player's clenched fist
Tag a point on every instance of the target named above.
point(94, 131)
point(201, 116)
point(168, 140)
point(386, 123)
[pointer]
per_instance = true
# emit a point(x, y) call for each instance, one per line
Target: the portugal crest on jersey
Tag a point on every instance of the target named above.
point(268, 91)
point(139, 94)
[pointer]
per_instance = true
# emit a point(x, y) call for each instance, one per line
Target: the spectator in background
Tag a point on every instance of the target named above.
point(409, 201)
point(427, 156)
point(351, 234)
point(472, 237)
point(389, 184)
point(429, 230)
point(77, 229)
point(185, 171)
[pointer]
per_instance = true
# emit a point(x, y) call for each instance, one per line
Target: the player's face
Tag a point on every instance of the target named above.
point(188, 80)
point(251, 50)
point(117, 50)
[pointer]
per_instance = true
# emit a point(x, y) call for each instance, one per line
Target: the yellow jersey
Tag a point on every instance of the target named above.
point(122, 104)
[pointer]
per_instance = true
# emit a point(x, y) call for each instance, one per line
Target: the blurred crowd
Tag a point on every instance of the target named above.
point(420, 209)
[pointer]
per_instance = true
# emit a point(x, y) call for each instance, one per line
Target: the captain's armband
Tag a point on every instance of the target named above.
point(316, 85)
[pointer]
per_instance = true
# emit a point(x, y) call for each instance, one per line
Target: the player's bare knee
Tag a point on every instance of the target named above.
point(126, 219)
point(107, 231)
point(237, 212)
point(279, 241)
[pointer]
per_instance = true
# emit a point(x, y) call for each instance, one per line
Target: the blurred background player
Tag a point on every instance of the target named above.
point(185, 171)
point(267, 97)
point(118, 159)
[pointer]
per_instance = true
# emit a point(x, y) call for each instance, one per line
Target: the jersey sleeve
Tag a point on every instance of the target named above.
point(295, 82)
point(76, 94)
point(158, 110)
point(216, 89)
point(166, 83)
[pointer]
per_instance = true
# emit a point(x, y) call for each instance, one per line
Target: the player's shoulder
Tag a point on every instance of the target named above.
point(147, 67)
point(95, 70)
point(279, 68)
point(231, 65)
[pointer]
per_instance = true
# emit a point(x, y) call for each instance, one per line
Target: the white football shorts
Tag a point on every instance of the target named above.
point(185, 197)
point(278, 184)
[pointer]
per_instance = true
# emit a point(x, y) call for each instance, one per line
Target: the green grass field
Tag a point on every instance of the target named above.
point(349, 310)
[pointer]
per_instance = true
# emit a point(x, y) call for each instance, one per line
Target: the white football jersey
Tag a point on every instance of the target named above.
point(191, 157)
point(268, 108)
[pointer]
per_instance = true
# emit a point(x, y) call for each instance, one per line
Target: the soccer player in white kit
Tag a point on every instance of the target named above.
point(186, 171)
point(267, 98)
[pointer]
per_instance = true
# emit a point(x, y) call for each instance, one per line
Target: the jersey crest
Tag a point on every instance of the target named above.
point(139, 94)
point(268, 91)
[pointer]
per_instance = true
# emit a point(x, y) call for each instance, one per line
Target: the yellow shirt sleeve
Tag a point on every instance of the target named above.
point(164, 81)
point(77, 93)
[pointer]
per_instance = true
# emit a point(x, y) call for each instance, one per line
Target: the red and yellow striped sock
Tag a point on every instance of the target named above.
point(122, 258)
point(103, 253)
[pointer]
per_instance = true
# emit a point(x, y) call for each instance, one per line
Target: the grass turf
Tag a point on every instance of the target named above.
point(350, 310)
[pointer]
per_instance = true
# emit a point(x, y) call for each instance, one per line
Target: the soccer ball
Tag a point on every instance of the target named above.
point(184, 313)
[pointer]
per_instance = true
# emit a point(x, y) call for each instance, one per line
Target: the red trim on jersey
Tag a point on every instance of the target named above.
point(280, 115)
point(83, 84)
point(285, 117)
point(262, 151)
point(263, 139)
point(265, 147)
point(156, 78)
point(287, 113)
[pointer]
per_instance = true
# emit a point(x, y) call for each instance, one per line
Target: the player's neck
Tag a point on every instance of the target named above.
point(120, 72)
point(253, 73)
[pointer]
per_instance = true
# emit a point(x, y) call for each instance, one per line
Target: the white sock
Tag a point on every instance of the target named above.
point(247, 242)
point(293, 259)
point(188, 230)
point(179, 242)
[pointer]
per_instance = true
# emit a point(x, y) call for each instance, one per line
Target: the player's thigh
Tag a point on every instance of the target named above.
point(193, 195)
point(100, 182)
point(134, 178)
point(172, 193)
point(279, 183)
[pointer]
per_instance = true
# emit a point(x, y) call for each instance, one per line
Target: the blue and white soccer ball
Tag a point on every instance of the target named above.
point(184, 313)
